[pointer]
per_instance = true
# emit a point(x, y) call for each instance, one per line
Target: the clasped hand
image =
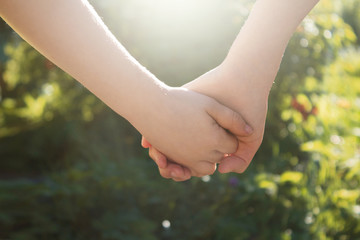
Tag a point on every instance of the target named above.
point(206, 133)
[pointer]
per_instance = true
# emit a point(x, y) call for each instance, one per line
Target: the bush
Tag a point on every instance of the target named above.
point(76, 171)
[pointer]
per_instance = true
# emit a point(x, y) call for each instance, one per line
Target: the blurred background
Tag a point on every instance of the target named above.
point(70, 168)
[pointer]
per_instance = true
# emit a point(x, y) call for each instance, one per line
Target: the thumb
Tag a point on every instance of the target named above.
point(233, 164)
point(229, 119)
point(239, 161)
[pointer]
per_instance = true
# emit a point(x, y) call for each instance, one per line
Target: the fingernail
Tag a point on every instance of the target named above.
point(172, 174)
point(248, 129)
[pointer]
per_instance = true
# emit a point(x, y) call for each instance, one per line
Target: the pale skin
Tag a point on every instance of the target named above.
point(244, 79)
point(71, 34)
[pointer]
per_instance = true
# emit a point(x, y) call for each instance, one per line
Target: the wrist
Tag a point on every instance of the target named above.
point(145, 103)
point(249, 80)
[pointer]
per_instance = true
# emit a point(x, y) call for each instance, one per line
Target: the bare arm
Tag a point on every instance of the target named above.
point(71, 34)
point(244, 79)
point(258, 49)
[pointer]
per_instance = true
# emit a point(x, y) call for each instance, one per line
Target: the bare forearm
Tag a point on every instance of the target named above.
point(257, 51)
point(71, 34)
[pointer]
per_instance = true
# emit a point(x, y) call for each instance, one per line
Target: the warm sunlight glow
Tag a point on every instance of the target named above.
point(188, 36)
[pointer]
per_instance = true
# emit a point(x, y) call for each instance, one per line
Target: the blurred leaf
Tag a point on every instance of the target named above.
point(292, 177)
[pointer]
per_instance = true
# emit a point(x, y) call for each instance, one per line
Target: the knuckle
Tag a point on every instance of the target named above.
point(211, 170)
point(240, 170)
point(219, 137)
point(222, 141)
point(227, 143)
point(233, 146)
point(206, 169)
point(179, 179)
point(164, 173)
point(154, 155)
point(216, 157)
point(151, 154)
point(236, 120)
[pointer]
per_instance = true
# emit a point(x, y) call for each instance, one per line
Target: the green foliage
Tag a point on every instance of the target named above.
point(72, 169)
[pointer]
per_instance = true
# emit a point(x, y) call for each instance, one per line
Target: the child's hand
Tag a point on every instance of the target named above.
point(186, 128)
point(241, 97)
point(167, 169)
point(243, 81)
point(247, 99)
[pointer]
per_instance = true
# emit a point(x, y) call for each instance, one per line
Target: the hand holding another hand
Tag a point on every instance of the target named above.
point(186, 128)
point(243, 81)
point(238, 94)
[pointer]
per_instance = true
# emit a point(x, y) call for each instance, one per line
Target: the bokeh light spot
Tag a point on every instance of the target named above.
point(166, 224)
point(206, 178)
